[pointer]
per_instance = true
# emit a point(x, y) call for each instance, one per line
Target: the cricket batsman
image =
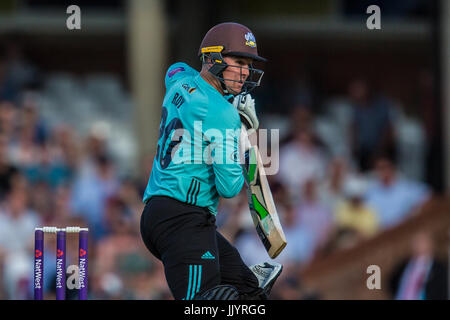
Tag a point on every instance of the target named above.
point(178, 221)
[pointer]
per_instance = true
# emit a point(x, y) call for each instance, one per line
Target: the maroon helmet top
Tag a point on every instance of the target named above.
point(230, 38)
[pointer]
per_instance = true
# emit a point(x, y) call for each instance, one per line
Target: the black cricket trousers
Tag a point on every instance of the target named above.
point(196, 257)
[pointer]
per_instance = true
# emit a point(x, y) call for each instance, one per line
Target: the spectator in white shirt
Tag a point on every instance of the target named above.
point(300, 160)
point(394, 197)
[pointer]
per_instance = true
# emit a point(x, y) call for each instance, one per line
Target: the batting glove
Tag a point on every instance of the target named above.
point(246, 107)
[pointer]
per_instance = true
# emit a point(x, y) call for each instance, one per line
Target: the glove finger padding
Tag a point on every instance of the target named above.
point(246, 108)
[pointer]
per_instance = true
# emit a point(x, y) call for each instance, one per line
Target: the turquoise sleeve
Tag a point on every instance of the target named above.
point(222, 131)
point(178, 71)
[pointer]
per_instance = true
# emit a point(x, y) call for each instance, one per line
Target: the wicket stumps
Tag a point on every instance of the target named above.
point(60, 261)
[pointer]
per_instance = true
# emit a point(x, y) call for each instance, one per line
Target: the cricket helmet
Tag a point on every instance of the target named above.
point(231, 39)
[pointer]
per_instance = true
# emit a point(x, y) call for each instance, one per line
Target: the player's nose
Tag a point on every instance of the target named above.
point(245, 72)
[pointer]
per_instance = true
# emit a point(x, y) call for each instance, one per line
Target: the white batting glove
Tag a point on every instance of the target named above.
point(246, 107)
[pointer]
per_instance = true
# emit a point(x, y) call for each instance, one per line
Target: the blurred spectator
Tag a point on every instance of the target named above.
point(393, 197)
point(130, 197)
point(17, 270)
point(41, 201)
point(300, 238)
point(17, 221)
point(331, 189)
point(300, 160)
point(314, 215)
point(25, 151)
point(61, 213)
point(300, 117)
point(353, 217)
point(93, 186)
point(7, 119)
point(96, 144)
point(7, 170)
point(47, 169)
point(64, 149)
point(117, 219)
point(371, 128)
point(410, 145)
point(421, 276)
point(30, 118)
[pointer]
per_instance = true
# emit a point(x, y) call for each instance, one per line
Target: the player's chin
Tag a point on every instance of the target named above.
point(237, 88)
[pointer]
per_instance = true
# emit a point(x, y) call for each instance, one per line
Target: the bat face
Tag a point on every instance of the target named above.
point(264, 212)
point(261, 204)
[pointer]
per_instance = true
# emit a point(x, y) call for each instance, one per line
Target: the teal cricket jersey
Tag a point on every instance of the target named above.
point(197, 158)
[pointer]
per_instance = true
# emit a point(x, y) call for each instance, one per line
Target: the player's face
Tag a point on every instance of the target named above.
point(236, 73)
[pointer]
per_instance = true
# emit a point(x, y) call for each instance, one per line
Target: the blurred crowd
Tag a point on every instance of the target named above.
point(344, 176)
point(50, 174)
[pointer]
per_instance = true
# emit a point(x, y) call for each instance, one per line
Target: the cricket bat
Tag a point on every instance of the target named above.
point(262, 207)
